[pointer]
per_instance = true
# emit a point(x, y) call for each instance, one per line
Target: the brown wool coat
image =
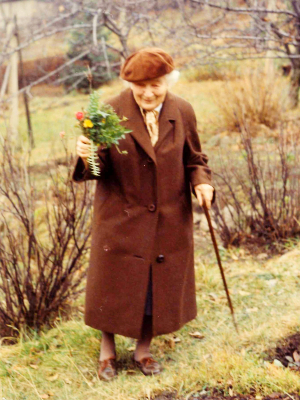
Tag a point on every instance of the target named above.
point(143, 216)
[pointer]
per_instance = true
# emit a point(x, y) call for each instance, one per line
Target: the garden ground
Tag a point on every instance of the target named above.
point(206, 358)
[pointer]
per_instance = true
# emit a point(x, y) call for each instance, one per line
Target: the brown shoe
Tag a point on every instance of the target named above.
point(148, 366)
point(107, 369)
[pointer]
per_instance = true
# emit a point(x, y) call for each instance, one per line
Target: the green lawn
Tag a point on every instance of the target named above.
point(61, 363)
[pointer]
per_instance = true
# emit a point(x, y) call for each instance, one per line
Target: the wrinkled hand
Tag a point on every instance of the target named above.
point(204, 192)
point(83, 148)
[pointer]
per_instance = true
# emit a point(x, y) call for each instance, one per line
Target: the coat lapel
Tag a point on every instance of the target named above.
point(130, 110)
point(135, 122)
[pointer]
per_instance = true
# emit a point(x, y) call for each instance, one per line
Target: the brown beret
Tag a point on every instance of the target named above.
point(148, 63)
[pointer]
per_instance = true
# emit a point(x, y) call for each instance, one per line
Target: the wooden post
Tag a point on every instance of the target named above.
point(13, 86)
point(25, 95)
point(5, 82)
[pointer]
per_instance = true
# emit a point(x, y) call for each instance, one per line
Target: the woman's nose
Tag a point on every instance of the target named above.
point(148, 93)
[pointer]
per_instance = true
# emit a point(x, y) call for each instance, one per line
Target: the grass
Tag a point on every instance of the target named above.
point(61, 363)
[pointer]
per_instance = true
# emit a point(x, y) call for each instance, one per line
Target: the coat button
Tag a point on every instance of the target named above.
point(149, 160)
point(160, 258)
point(152, 207)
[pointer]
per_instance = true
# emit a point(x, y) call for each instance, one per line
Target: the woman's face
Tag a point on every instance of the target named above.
point(150, 93)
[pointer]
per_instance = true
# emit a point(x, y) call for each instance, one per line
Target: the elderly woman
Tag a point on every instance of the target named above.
point(141, 280)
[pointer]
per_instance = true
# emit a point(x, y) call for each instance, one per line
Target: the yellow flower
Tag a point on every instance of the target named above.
point(87, 123)
point(103, 121)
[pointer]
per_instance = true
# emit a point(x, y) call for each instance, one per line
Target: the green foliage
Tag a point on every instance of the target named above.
point(106, 127)
point(102, 126)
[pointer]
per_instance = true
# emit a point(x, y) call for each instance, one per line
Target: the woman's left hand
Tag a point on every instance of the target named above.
point(204, 192)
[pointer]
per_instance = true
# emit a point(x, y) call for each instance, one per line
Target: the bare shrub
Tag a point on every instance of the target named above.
point(257, 98)
point(44, 236)
point(259, 190)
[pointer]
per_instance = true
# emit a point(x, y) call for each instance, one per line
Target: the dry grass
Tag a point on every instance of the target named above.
point(259, 98)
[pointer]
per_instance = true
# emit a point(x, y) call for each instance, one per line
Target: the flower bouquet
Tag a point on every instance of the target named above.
point(101, 125)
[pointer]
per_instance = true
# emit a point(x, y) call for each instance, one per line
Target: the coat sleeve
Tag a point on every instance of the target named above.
point(81, 173)
point(195, 161)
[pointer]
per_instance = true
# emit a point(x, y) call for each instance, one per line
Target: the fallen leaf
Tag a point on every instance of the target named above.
point(242, 253)
point(251, 310)
point(296, 356)
point(52, 378)
point(177, 339)
point(131, 348)
point(230, 391)
point(33, 366)
point(51, 394)
point(171, 343)
point(44, 396)
point(213, 296)
point(271, 366)
point(234, 257)
point(278, 363)
point(272, 282)
point(290, 359)
point(244, 293)
point(262, 256)
point(130, 372)
point(68, 381)
point(196, 335)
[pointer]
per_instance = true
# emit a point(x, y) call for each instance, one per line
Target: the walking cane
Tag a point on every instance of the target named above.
point(212, 233)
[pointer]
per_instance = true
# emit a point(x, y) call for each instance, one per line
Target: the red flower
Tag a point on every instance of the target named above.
point(62, 134)
point(79, 115)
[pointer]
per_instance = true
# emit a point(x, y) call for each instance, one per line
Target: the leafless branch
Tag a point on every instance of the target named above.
point(245, 10)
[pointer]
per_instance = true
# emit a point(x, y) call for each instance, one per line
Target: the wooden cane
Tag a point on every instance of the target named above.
point(213, 237)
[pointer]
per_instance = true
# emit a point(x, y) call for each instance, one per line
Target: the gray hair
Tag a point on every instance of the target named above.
point(172, 77)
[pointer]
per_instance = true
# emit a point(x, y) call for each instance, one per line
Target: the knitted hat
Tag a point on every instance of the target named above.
point(148, 63)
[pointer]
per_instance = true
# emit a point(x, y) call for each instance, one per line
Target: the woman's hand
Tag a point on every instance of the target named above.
point(83, 148)
point(204, 192)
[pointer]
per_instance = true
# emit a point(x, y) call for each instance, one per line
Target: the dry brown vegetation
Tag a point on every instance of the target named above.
point(258, 97)
point(44, 236)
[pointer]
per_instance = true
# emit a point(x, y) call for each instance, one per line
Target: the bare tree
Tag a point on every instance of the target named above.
point(249, 29)
point(89, 16)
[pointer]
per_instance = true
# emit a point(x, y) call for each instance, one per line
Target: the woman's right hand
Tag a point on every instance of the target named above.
point(83, 148)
